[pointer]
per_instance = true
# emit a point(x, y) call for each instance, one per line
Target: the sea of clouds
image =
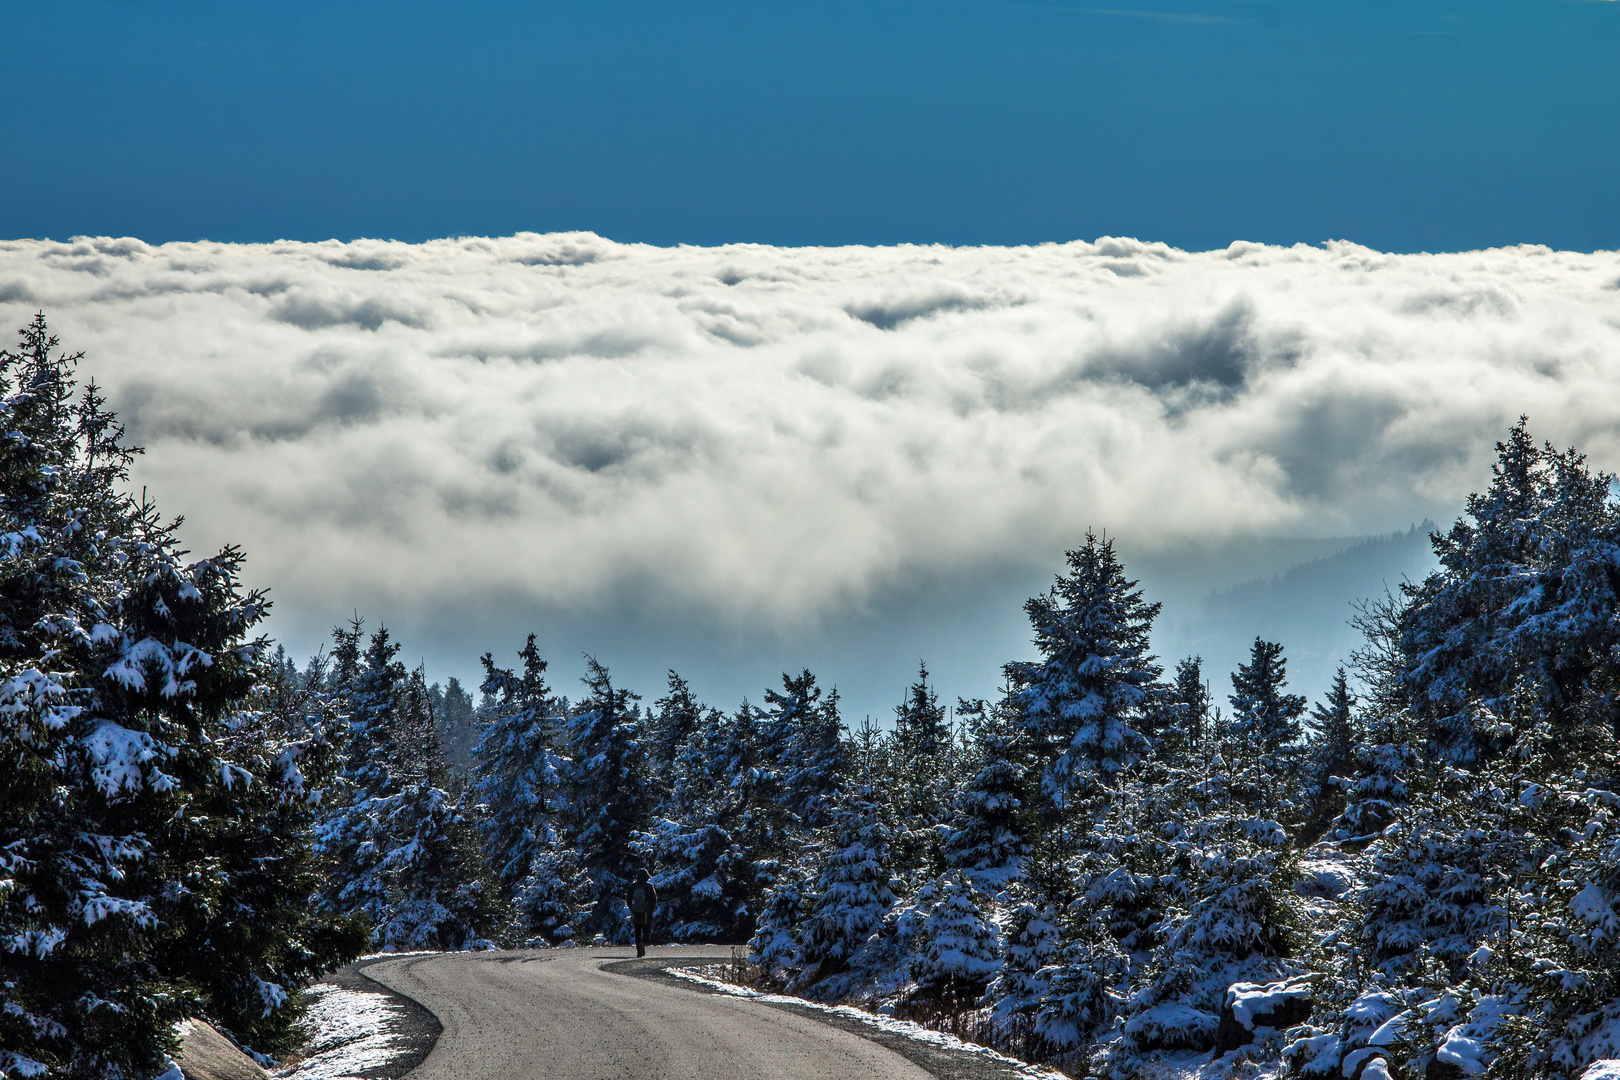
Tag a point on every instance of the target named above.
point(763, 437)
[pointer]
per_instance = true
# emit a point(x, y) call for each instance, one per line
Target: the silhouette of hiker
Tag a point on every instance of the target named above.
point(643, 898)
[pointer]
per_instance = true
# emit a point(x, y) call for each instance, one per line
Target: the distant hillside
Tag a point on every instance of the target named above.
point(1304, 604)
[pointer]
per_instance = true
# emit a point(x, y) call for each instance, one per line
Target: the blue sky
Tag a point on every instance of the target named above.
point(740, 461)
point(1406, 126)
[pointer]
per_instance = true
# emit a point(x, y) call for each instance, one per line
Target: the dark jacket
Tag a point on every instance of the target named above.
point(641, 907)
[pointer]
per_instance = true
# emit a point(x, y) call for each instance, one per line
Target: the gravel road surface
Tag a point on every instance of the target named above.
point(556, 1015)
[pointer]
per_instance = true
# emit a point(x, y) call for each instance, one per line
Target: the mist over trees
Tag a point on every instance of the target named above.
point(1097, 865)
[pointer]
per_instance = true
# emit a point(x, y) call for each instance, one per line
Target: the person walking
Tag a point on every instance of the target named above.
point(643, 898)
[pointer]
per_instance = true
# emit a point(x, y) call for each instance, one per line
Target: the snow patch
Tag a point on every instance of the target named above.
point(904, 1028)
point(351, 1032)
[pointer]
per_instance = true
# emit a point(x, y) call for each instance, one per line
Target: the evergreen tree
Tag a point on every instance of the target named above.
point(801, 744)
point(1095, 680)
point(961, 950)
point(1261, 712)
point(1033, 941)
point(922, 745)
point(1265, 730)
point(401, 853)
point(521, 779)
point(1331, 753)
point(144, 802)
point(986, 840)
point(702, 840)
point(1186, 711)
point(611, 796)
point(457, 721)
point(776, 946)
point(672, 725)
point(852, 893)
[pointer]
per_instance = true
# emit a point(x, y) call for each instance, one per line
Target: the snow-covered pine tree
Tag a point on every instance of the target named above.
point(1266, 726)
point(399, 852)
point(1391, 736)
point(522, 780)
point(131, 755)
point(1226, 875)
point(1079, 703)
point(439, 898)
point(283, 761)
point(986, 841)
point(458, 724)
point(1331, 752)
point(852, 894)
point(353, 838)
point(919, 765)
point(671, 725)
point(961, 948)
point(1185, 712)
point(700, 843)
point(611, 797)
point(801, 746)
point(1488, 904)
point(1032, 941)
point(776, 945)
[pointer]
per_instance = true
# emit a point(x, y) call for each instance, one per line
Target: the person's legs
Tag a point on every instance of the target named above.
point(641, 937)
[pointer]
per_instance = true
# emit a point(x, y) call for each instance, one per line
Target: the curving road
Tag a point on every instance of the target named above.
point(558, 1015)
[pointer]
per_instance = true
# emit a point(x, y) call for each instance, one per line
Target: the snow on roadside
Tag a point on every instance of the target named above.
point(351, 1031)
point(903, 1028)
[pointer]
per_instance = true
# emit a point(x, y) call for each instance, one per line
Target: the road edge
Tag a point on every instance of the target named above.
point(938, 1061)
point(419, 1030)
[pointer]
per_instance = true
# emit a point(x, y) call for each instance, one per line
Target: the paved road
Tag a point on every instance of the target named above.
point(556, 1015)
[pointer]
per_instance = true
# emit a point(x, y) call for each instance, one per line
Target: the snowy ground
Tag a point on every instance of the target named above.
point(1245, 1063)
point(352, 1033)
point(903, 1028)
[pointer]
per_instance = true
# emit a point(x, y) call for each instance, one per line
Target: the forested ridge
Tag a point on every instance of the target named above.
point(1098, 866)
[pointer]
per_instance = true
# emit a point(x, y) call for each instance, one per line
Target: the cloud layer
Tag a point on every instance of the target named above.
point(768, 438)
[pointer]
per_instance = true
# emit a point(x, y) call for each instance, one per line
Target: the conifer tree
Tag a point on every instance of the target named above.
point(521, 779)
point(922, 745)
point(776, 945)
point(140, 785)
point(801, 744)
point(672, 725)
point(702, 839)
point(457, 722)
point(852, 893)
point(961, 949)
point(611, 796)
point(1033, 941)
point(1261, 712)
point(1186, 710)
point(400, 853)
point(986, 841)
point(1095, 680)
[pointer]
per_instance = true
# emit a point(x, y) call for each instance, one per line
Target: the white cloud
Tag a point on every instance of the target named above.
point(770, 436)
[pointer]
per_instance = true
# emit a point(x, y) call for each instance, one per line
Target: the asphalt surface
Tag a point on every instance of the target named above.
point(567, 1015)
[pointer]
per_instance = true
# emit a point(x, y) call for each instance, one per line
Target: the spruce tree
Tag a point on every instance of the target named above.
point(701, 841)
point(1261, 712)
point(1081, 701)
point(802, 746)
point(400, 852)
point(611, 798)
point(144, 802)
point(961, 950)
point(1186, 710)
point(922, 745)
point(852, 893)
point(521, 779)
point(986, 840)
point(1266, 728)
